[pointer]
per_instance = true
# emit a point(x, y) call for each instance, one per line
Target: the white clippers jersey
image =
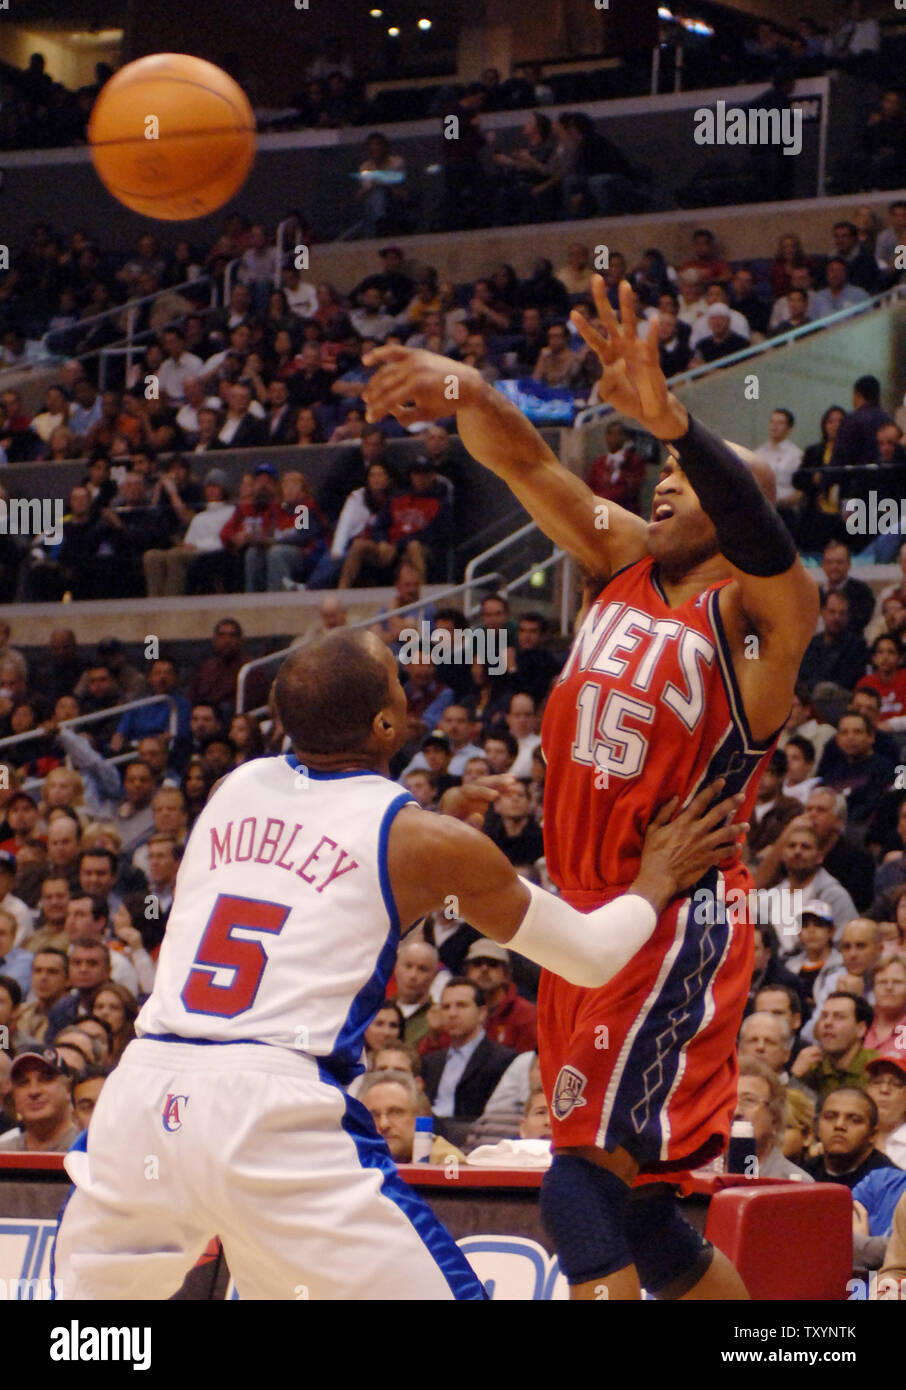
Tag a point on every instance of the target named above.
point(283, 928)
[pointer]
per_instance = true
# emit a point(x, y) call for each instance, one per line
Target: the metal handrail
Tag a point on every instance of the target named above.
point(470, 576)
point(597, 412)
point(351, 627)
point(97, 717)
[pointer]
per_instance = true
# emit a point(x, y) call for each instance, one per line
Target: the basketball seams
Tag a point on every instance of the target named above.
point(239, 133)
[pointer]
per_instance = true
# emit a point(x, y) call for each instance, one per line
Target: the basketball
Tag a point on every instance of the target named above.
point(172, 137)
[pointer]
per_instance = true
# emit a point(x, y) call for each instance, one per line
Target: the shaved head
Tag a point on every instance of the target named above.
point(329, 693)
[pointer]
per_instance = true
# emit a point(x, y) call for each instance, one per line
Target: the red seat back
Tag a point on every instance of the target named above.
point(787, 1240)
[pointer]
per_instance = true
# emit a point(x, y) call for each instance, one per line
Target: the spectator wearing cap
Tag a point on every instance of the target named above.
point(414, 526)
point(887, 1034)
point(739, 324)
point(886, 1085)
point(847, 1129)
point(511, 1020)
point(838, 1057)
point(460, 1078)
point(254, 523)
point(818, 962)
point(40, 1090)
point(21, 914)
point(167, 571)
point(759, 1099)
point(720, 341)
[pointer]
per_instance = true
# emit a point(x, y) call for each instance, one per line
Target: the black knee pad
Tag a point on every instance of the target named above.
point(583, 1208)
point(668, 1253)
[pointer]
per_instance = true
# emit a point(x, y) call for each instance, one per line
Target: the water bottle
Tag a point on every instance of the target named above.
point(742, 1156)
point(424, 1139)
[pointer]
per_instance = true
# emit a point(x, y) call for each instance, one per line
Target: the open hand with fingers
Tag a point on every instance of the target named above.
point(679, 849)
point(412, 384)
point(470, 803)
point(631, 378)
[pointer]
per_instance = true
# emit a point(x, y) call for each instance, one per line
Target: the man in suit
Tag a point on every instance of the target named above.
point(459, 1080)
point(242, 428)
point(281, 416)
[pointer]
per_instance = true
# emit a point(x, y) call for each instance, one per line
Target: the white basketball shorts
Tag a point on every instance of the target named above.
point(260, 1147)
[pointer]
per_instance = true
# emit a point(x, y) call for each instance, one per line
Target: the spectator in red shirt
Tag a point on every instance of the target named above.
point(705, 259)
point(251, 528)
point(214, 683)
point(511, 1019)
point(886, 676)
point(414, 524)
point(619, 473)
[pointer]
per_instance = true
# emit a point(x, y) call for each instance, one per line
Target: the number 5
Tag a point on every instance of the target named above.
point(219, 949)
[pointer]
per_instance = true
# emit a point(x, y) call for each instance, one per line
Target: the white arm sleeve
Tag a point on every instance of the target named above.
point(587, 949)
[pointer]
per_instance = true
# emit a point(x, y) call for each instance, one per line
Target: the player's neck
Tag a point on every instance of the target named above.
point(346, 762)
point(680, 586)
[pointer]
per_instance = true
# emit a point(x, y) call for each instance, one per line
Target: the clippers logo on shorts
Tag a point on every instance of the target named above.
point(568, 1092)
point(172, 1119)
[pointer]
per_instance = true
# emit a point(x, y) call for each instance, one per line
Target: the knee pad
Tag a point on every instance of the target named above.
point(582, 1209)
point(668, 1253)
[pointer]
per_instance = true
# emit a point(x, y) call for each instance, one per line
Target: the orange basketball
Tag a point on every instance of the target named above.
point(172, 136)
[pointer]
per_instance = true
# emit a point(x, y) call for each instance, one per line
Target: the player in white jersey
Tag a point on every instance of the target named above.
point(227, 1115)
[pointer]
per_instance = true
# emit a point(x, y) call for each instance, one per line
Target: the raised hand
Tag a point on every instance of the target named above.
point(631, 377)
point(412, 384)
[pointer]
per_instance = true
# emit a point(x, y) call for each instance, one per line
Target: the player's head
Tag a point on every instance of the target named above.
point(681, 535)
point(341, 702)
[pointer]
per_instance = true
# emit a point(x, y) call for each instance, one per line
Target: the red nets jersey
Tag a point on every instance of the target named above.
point(647, 707)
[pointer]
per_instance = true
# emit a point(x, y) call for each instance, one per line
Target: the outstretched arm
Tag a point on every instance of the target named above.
point(773, 592)
point(437, 862)
point(415, 385)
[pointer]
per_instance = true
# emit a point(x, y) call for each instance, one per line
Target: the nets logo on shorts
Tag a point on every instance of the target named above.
point(171, 1115)
point(568, 1092)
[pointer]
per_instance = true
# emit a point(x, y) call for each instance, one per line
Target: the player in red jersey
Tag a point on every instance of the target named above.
point(683, 670)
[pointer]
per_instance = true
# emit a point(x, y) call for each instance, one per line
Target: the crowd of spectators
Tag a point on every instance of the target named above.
point(283, 364)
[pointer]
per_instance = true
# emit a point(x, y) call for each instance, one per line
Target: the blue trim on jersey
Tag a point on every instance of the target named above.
point(81, 1144)
point(331, 776)
point(649, 1069)
point(208, 1042)
point(344, 1061)
point(731, 684)
point(373, 1152)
